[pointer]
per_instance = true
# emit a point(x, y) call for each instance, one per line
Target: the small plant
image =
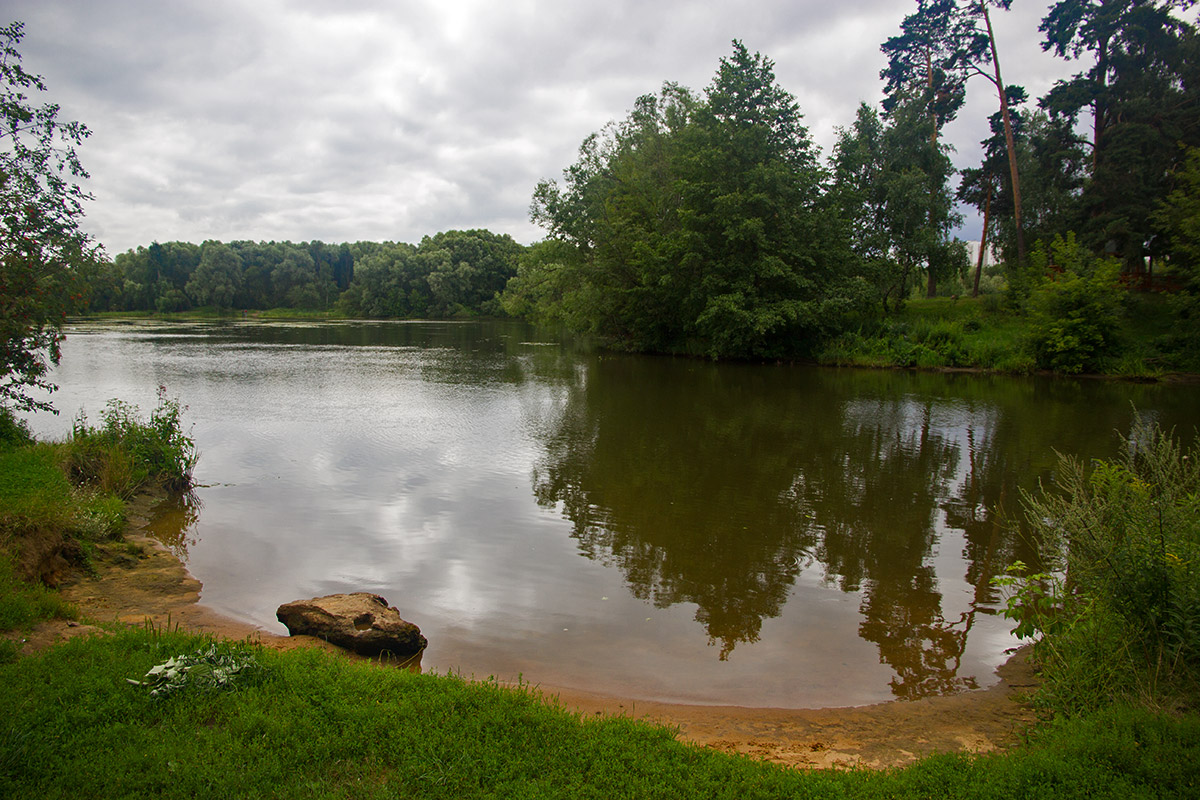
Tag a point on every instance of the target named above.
point(211, 669)
point(1034, 602)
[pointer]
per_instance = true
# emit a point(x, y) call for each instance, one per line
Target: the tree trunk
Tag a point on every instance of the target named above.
point(1009, 140)
point(931, 288)
point(987, 211)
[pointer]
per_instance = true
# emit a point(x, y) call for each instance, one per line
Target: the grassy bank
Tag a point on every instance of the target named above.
point(59, 499)
point(305, 723)
point(982, 333)
point(209, 313)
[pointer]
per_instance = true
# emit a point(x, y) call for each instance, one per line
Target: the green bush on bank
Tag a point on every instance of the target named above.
point(1075, 306)
point(1117, 615)
point(127, 453)
point(58, 499)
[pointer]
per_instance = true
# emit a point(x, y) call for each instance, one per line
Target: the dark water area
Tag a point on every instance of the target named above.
point(659, 528)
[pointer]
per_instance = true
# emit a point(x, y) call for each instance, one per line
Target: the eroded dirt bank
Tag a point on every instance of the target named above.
point(139, 580)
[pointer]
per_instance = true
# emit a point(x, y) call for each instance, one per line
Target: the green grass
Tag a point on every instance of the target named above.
point(941, 333)
point(34, 492)
point(58, 499)
point(309, 724)
point(979, 333)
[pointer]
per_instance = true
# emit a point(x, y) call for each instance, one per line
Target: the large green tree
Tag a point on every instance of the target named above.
point(1141, 86)
point(218, 276)
point(891, 182)
point(700, 225)
point(44, 255)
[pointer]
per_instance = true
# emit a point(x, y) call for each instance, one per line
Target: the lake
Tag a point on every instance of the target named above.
point(656, 528)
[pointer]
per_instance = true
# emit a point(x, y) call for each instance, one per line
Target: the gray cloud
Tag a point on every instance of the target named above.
point(299, 119)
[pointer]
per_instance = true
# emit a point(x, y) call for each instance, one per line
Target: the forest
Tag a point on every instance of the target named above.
point(709, 223)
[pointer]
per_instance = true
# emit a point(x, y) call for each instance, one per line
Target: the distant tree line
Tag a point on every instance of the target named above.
point(709, 224)
point(454, 273)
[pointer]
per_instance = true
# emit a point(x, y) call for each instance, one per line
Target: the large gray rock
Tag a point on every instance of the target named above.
point(360, 621)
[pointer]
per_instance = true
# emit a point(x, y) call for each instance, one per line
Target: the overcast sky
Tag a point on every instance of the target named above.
point(392, 120)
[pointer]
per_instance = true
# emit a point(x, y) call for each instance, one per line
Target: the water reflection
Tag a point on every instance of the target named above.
point(717, 485)
point(174, 523)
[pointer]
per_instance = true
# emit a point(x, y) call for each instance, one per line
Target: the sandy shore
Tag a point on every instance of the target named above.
point(140, 580)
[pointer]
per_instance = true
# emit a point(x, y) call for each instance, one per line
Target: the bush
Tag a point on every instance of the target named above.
point(13, 432)
point(127, 453)
point(1124, 621)
point(1075, 308)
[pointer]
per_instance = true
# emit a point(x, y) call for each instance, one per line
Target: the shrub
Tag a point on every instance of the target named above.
point(1075, 307)
point(1125, 622)
point(13, 432)
point(126, 453)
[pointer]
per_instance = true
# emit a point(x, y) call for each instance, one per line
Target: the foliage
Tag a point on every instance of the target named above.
point(1140, 88)
point(890, 183)
point(932, 334)
point(1034, 601)
point(1178, 215)
point(127, 452)
point(698, 226)
point(44, 255)
point(1126, 536)
point(217, 278)
point(1075, 307)
point(921, 62)
point(13, 431)
point(453, 273)
point(217, 667)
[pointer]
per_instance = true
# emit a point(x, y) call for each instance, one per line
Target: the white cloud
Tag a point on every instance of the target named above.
point(300, 119)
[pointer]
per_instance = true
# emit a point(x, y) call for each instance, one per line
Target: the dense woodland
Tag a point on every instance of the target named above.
point(708, 223)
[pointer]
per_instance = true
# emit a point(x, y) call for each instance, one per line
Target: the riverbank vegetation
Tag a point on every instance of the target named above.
point(58, 499)
point(1115, 613)
point(308, 723)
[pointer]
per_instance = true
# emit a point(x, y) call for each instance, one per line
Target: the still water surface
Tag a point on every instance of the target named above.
point(657, 528)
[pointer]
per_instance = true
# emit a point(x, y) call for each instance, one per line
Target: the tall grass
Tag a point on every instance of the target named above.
point(1118, 617)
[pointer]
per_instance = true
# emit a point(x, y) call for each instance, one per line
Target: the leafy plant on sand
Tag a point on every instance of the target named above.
point(1122, 619)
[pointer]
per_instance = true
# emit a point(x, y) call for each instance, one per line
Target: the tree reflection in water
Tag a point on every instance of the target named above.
point(719, 484)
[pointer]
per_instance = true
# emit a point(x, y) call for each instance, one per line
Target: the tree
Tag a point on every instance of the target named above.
point(891, 184)
point(700, 225)
point(977, 55)
point(1179, 215)
point(1142, 91)
point(44, 255)
point(218, 277)
point(920, 63)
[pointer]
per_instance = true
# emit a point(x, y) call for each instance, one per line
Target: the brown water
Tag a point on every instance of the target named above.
point(657, 528)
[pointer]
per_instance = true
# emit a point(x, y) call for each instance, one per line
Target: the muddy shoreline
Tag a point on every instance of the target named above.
point(139, 581)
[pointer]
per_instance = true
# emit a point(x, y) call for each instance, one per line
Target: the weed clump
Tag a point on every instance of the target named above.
point(1116, 615)
point(126, 453)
